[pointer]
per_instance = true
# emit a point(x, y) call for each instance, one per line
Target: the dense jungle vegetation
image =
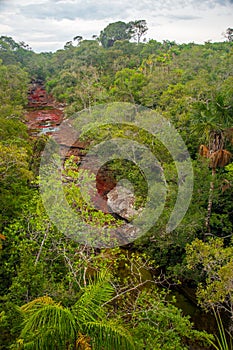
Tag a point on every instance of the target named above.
point(60, 294)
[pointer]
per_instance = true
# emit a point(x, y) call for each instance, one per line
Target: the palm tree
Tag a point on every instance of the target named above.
point(218, 158)
point(212, 124)
point(48, 325)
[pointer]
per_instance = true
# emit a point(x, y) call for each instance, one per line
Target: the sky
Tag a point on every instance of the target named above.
point(46, 25)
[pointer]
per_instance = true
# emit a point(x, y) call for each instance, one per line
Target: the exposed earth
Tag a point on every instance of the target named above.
point(45, 116)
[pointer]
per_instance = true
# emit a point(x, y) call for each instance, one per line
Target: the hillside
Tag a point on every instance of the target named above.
point(116, 181)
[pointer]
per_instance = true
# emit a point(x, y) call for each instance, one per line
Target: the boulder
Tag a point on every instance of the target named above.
point(120, 201)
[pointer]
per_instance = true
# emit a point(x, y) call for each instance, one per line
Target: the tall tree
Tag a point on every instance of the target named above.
point(229, 34)
point(138, 29)
point(78, 38)
point(113, 32)
point(214, 118)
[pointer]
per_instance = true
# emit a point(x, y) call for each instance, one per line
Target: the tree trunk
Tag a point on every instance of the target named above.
point(41, 246)
point(210, 202)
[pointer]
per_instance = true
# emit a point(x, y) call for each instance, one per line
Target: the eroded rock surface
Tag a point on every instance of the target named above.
point(121, 201)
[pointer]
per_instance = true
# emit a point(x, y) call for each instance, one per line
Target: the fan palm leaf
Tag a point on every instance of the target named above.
point(204, 151)
point(220, 158)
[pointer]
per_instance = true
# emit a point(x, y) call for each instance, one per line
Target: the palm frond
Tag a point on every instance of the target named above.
point(38, 303)
point(95, 294)
point(110, 335)
point(48, 326)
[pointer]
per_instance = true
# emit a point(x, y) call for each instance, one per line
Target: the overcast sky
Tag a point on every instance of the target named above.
point(46, 25)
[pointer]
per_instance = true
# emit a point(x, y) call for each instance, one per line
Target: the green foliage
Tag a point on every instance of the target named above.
point(158, 325)
point(229, 174)
point(14, 144)
point(113, 32)
point(215, 263)
point(190, 85)
point(78, 86)
point(13, 91)
point(48, 324)
point(128, 84)
point(222, 341)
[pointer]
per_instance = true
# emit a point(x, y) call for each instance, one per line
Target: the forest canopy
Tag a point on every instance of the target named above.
point(58, 293)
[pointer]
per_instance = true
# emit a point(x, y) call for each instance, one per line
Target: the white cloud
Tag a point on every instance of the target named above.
point(47, 25)
point(74, 9)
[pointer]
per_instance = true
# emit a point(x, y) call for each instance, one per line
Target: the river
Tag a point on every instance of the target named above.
point(44, 116)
